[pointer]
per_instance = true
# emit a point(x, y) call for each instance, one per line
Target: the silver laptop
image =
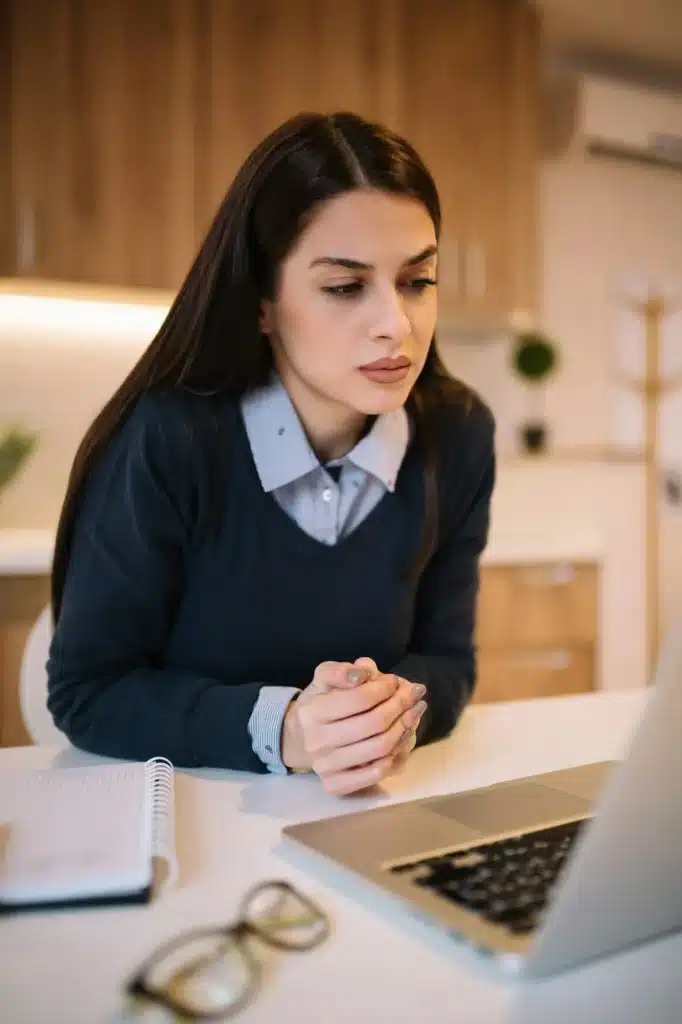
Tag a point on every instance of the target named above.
point(546, 872)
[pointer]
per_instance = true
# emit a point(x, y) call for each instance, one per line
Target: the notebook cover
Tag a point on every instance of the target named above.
point(117, 900)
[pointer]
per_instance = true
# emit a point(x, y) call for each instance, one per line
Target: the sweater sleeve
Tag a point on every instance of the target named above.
point(108, 689)
point(442, 652)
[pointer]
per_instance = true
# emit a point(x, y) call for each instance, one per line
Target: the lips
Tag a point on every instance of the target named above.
point(387, 371)
point(401, 363)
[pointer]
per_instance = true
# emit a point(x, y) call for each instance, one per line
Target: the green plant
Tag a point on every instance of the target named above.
point(534, 356)
point(15, 447)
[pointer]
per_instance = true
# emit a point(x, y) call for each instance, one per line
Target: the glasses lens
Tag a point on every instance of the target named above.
point(208, 973)
point(285, 917)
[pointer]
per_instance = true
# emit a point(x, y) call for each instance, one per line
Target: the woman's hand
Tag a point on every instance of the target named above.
point(352, 725)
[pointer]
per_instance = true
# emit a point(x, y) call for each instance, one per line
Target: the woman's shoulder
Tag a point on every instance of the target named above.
point(176, 423)
point(171, 435)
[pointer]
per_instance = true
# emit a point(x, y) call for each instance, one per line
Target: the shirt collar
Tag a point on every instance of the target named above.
point(282, 453)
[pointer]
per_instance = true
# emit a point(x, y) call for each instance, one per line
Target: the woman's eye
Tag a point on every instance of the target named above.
point(351, 289)
point(347, 290)
point(420, 284)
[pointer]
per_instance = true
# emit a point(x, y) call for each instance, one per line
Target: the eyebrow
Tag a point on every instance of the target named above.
point(340, 261)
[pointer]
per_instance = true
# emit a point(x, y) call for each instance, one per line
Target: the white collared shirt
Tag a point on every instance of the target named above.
point(325, 508)
point(290, 470)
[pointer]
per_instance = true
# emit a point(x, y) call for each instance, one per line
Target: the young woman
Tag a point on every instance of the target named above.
point(267, 557)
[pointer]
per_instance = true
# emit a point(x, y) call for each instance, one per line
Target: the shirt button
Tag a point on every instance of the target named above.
point(327, 494)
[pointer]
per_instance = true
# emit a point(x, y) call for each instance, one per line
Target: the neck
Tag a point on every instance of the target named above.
point(331, 427)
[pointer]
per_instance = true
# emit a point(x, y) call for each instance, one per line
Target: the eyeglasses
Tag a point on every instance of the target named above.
point(210, 973)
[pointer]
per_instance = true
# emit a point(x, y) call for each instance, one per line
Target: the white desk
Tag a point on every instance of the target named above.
point(379, 965)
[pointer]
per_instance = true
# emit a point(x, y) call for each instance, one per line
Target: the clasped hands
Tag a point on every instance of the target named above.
point(352, 725)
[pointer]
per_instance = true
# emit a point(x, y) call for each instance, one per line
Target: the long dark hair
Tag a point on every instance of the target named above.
point(210, 341)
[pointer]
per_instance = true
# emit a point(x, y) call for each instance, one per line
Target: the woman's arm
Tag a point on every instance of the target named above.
point(442, 653)
point(107, 687)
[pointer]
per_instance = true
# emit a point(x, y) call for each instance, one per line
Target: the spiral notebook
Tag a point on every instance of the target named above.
point(82, 836)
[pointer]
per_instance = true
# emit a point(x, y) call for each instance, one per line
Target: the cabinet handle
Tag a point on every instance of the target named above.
point(551, 661)
point(26, 238)
point(554, 576)
point(476, 271)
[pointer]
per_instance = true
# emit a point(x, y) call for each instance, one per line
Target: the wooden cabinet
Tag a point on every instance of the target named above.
point(6, 215)
point(470, 107)
point(457, 77)
point(265, 61)
point(522, 674)
point(101, 133)
point(129, 119)
point(536, 630)
point(22, 598)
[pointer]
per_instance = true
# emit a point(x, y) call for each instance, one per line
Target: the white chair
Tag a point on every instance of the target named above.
point(33, 684)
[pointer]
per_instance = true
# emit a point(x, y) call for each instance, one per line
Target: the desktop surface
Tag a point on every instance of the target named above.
point(379, 964)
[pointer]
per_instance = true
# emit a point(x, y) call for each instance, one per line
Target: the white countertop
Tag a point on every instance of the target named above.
point(29, 552)
point(379, 964)
point(26, 552)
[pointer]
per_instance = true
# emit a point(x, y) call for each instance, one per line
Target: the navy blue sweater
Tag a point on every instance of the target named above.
point(168, 628)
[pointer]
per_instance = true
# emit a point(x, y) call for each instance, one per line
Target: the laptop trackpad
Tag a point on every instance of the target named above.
point(516, 806)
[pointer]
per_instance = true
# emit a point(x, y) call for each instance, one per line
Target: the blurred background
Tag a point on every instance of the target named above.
point(554, 131)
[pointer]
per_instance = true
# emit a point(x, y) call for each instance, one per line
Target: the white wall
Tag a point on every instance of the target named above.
point(603, 223)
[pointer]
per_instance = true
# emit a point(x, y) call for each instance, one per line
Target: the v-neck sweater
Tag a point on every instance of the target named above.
point(168, 631)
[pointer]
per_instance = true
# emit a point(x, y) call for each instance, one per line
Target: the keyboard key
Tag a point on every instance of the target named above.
point(507, 882)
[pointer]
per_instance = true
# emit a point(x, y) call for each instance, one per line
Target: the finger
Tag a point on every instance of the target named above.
point(355, 779)
point(376, 720)
point(413, 715)
point(402, 752)
point(329, 762)
point(341, 704)
point(370, 666)
point(330, 675)
point(399, 765)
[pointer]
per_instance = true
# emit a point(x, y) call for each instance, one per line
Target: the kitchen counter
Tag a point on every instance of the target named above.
point(26, 552)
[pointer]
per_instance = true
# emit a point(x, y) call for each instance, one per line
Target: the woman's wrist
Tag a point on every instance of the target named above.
point(292, 748)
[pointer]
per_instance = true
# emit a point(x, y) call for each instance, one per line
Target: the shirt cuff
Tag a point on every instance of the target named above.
point(265, 725)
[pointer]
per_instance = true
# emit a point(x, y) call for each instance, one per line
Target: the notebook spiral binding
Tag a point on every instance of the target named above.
point(160, 780)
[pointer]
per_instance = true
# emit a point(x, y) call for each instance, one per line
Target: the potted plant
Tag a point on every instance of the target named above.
point(16, 444)
point(535, 358)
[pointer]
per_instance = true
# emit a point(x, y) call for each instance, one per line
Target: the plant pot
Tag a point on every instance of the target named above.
point(534, 437)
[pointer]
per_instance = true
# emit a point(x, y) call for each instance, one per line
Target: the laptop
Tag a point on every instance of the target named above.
point(543, 873)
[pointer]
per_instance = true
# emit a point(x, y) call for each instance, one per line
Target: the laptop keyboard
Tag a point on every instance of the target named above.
point(507, 882)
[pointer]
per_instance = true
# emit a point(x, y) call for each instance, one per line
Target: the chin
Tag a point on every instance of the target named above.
point(373, 399)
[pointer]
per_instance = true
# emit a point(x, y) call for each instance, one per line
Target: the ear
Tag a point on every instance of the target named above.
point(266, 319)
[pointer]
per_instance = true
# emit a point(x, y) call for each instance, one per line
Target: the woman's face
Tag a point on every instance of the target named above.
point(356, 305)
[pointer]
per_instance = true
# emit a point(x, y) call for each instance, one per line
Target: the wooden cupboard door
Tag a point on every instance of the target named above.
point(41, 152)
point(524, 674)
point(524, 606)
point(7, 228)
point(500, 248)
point(22, 598)
point(437, 60)
point(103, 104)
point(470, 107)
point(13, 638)
point(265, 61)
point(522, 94)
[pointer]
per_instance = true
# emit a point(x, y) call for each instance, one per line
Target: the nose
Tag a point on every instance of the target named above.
point(390, 321)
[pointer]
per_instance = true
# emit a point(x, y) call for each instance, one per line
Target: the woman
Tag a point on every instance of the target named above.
point(267, 557)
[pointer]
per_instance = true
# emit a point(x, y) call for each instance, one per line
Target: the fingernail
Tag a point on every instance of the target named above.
point(406, 735)
point(355, 675)
point(418, 690)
